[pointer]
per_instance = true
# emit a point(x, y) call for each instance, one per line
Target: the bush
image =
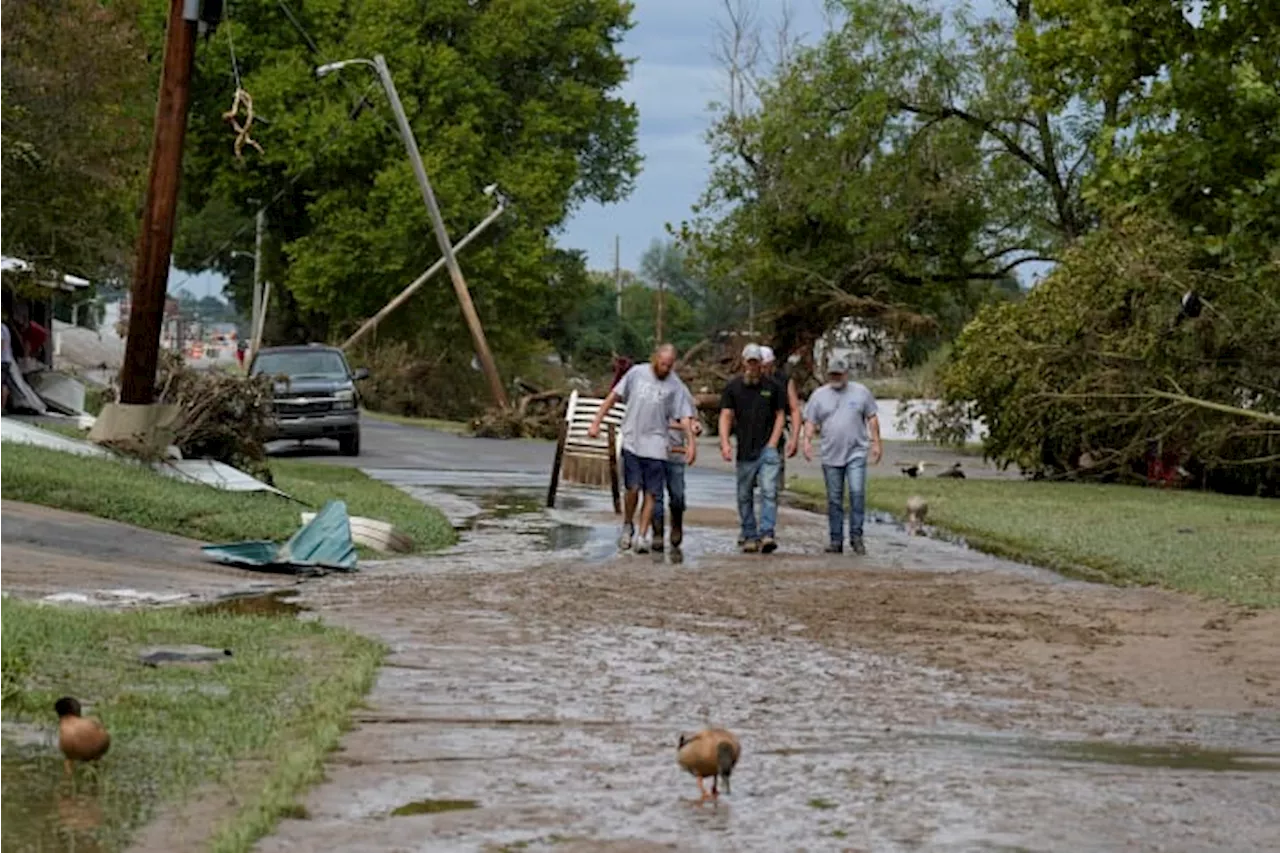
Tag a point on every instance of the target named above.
point(1097, 374)
point(403, 382)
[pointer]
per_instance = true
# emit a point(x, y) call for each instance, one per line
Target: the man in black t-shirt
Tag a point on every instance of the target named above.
point(753, 409)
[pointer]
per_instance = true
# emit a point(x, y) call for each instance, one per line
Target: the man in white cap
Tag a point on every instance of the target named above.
point(753, 409)
point(846, 414)
point(791, 430)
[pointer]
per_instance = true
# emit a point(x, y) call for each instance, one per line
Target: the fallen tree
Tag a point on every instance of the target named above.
point(1139, 358)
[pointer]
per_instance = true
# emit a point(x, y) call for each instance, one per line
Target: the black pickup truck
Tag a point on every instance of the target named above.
point(315, 394)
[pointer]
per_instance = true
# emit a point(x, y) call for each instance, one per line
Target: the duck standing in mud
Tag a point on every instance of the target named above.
point(79, 738)
point(709, 753)
point(917, 509)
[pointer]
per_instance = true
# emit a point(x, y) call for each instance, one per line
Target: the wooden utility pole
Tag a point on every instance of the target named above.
point(155, 240)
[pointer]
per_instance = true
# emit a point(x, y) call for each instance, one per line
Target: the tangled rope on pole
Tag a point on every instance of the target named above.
point(242, 99)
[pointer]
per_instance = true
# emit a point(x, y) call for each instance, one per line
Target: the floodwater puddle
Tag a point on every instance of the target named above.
point(43, 811)
point(513, 517)
point(418, 807)
point(1158, 757)
point(281, 602)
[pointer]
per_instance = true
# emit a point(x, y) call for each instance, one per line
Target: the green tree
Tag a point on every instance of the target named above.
point(76, 115)
point(1189, 98)
point(899, 170)
point(516, 92)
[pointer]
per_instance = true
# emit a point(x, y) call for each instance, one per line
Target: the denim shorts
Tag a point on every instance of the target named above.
point(648, 475)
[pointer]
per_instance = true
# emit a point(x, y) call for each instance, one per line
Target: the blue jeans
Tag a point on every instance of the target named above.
point(765, 469)
point(855, 475)
point(675, 488)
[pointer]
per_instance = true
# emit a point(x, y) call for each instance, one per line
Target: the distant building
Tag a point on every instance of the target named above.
point(870, 351)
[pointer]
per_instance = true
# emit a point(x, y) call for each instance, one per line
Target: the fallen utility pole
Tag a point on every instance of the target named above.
point(372, 323)
point(155, 240)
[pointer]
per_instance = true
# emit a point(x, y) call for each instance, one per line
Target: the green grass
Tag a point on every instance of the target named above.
point(1221, 546)
point(455, 427)
point(139, 496)
point(256, 726)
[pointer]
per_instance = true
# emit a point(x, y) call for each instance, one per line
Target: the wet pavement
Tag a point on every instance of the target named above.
point(538, 681)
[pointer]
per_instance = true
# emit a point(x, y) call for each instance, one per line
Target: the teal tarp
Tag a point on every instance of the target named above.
point(323, 543)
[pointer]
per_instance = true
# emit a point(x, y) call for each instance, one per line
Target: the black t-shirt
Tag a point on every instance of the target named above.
point(754, 409)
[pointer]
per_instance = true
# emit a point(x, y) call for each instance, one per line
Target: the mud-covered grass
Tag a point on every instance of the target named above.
point(438, 424)
point(1217, 545)
point(137, 495)
point(249, 733)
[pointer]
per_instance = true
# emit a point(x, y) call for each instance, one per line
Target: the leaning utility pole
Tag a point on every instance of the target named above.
point(442, 236)
point(155, 240)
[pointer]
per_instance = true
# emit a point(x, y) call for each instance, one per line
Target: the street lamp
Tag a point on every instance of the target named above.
point(379, 65)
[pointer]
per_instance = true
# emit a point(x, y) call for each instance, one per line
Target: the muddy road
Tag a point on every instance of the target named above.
point(921, 698)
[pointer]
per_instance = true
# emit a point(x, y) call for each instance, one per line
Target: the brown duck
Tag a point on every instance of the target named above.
point(79, 738)
point(709, 753)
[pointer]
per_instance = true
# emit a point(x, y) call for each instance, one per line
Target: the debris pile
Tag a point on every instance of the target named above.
point(224, 416)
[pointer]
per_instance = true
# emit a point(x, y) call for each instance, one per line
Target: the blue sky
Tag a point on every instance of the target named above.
point(673, 81)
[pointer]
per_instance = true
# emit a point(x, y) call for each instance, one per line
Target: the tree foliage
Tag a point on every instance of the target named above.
point(76, 109)
point(1097, 364)
point(899, 170)
point(516, 92)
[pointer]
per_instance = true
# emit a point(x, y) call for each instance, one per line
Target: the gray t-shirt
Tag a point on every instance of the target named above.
point(842, 416)
point(652, 404)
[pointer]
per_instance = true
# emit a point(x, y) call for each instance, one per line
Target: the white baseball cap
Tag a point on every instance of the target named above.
point(752, 352)
point(766, 355)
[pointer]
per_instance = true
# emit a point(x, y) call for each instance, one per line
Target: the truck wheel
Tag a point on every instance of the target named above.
point(349, 444)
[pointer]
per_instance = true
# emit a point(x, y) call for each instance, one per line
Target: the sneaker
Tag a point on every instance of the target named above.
point(835, 548)
point(751, 546)
point(768, 545)
point(856, 545)
point(677, 556)
point(642, 545)
point(657, 547)
point(624, 541)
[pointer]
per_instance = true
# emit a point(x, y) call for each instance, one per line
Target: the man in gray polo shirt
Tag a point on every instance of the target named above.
point(846, 414)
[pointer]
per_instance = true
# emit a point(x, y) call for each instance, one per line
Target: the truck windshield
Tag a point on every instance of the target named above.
point(320, 364)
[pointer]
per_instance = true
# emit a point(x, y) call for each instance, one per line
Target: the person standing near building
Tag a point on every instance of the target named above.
point(791, 431)
point(655, 396)
point(846, 414)
point(677, 462)
point(752, 408)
